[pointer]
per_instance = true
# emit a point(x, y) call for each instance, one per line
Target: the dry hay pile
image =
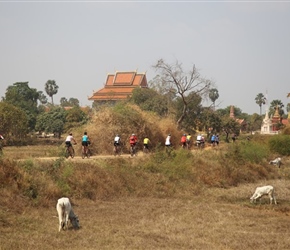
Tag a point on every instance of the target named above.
point(125, 120)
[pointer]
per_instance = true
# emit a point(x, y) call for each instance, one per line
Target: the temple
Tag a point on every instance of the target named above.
point(119, 86)
point(272, 125)
point(242, 122)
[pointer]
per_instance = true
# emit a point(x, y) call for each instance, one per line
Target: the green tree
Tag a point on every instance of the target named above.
point(230, 126)
point(14, 123)
point(175, 78)
point(213, 96)
point(255, 122)
point(51, 89)
point(277, 104)
point(226, 112)
point(209, 120)
point(150, 100)
point(52, 121)
point(42, 98)
point(260, 100)
point(64, 102)
point(21, 95)
point(194, 107)
point(74, 117)
point(74, 102)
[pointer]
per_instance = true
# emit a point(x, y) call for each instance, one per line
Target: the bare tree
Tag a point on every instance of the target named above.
point(175, 78)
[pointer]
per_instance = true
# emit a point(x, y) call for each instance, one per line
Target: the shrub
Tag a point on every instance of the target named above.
point(280, 144)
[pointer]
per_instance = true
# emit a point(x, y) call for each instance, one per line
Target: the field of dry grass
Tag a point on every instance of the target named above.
point(217, 219)
point(191, 218)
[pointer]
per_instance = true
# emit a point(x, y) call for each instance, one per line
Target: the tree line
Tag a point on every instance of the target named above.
point(25, 110)
point(174, 92)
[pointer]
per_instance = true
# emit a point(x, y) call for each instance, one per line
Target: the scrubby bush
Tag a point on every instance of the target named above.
point(248, 151)
point(280, 144)
point(286, 130)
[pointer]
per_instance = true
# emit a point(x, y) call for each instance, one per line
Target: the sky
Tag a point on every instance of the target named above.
point(243, 47)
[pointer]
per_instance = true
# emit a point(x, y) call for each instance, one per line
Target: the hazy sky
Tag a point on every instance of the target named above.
point(243, 46)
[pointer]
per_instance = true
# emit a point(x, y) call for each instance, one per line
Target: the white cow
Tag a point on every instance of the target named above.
point(265, 190)
point(65, 213)
point(276, 162)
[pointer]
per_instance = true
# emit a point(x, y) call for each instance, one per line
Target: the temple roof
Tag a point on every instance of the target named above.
point(120, 85)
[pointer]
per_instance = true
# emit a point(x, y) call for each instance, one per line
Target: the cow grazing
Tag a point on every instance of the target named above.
point(65, 213)
point(265, 190)
point(276, 162)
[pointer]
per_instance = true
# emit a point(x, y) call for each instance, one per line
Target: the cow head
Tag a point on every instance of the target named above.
point(74, 220)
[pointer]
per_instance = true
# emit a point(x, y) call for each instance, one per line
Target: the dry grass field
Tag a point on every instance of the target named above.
point(217, 219)
point(203, 218)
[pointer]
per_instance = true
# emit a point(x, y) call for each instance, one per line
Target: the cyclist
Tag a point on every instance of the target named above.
point(168, 141)
point(217, 139)
point(1, 138)
point(117, 142)
point(146, 141)
point(69, 139)
point(85, 142)
point(133, 142)
point(212, 140)
point(188, 140)
point(183, 140)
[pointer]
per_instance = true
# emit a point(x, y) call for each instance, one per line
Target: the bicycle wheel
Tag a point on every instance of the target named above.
point(72, 152)
point(67, 153)
point(83, 153)
point(132, 151)
point(88, 153)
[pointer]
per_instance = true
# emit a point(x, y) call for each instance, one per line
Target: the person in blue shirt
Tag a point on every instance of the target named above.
point(85, 141)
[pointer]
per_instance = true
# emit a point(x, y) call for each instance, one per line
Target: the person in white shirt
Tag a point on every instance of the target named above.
point(69, 139)
point(168, 141)
point(117, 140)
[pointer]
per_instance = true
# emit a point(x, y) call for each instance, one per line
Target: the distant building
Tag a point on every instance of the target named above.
point(242, 122)
point(119, 86)
point(272, 125)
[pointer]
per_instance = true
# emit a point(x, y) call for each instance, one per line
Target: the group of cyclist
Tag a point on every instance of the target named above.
point(185, 141)
point(85, 143)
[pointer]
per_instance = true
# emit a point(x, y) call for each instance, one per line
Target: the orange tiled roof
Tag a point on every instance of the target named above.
point(120, 85)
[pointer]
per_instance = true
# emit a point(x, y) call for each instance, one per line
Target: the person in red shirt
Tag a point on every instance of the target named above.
point(183, 141)
point(133, 142)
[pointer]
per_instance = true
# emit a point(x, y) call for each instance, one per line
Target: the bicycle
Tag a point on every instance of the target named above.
point(86, 152)
point(69, 152)
point(133, 150)
point(117, 149)
point(183, 145)
point(200, 144)
point(145, 149)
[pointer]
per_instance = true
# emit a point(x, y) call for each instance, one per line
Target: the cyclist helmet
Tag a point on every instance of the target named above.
point(70, 133)
point(133, 134)
point(184, 134)
point(85, 133)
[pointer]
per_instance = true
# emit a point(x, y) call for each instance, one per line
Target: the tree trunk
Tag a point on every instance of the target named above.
point(180, 119)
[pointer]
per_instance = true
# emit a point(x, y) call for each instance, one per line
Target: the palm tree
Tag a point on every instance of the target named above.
point(213, 96)
point(51, 89)
point(260, 100)
point(275, 104)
